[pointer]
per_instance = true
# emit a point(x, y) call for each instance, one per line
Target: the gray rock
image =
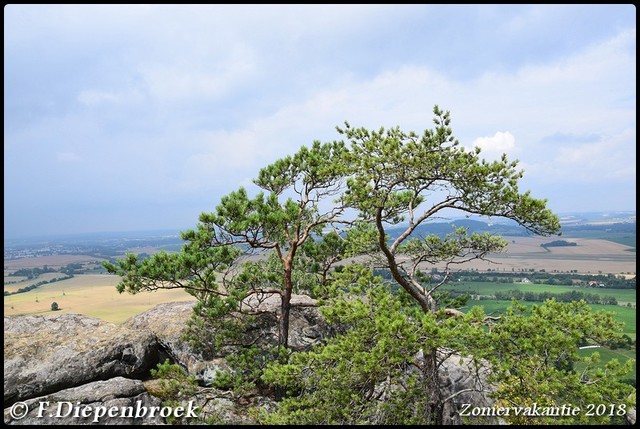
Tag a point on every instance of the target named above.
point(306, 325)
point(121, 397)
point(44, 354)
point(167, 322)
point(466, 383)
point(462, 382)
point(225, 408)
point(630, 417)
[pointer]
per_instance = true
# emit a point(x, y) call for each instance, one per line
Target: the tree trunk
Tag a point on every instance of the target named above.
point(424, 301)
point(285, 309)
point(435, 407)
point(283, 331)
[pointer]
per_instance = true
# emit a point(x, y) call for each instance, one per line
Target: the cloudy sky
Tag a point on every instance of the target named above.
point(121, 118)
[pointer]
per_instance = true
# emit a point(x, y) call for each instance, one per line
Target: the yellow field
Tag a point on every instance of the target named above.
point(93, 295)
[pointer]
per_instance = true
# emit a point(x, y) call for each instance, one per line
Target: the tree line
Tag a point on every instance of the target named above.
point(570, 296)
point(38, 284)
point(609, 281)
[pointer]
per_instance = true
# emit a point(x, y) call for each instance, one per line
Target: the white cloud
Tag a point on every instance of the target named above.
point(531, 103)
point(190, 100)
point(609, 159)
point(494, 146)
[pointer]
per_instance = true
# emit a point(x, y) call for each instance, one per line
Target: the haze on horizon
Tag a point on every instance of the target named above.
point(140, 117)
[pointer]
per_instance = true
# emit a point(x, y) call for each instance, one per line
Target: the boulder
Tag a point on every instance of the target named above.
point(44, 354)
point(630, 417)
point(306, 325)
point(167, 322)
point(126, 400)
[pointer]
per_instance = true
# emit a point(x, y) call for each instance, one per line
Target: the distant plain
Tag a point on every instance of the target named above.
point(95, 294)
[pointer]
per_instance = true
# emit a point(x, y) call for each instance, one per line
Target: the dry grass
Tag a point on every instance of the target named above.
point(92, 295)
point(585, 246)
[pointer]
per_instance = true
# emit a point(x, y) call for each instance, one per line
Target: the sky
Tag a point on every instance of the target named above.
point(140, 117)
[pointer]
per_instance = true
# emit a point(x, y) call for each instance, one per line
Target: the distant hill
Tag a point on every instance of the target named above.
point(443, 228)
point(619, 227)
point(512, 229)
point(629, 227)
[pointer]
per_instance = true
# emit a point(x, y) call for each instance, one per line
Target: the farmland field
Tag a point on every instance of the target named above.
point(606, 355)
point(623, 238)
point(95, 295)
point(92, 295)
point(589, 256)
point(490, 288)
point(625, 315)
point(53, 261)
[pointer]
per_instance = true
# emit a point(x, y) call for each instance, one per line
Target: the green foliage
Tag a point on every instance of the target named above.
point(284, 219)
point(250, 363)
point(535, 355)
point(174, 381)
point(459, 244)
point(394, 170)
point(194, 268)
point(559, 243)
point(364, 375)
point(215, 328)
point(370, 374)
point(54, 306)
point(174, 385)
point(399, 176)
point(569, 296)
point(32, 273)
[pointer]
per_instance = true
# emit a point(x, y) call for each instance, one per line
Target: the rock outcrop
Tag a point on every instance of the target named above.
point(71, 359)
point(126, 400)
point(306, 325)
point(167, 322)
point(465, 383)
point(45, 354)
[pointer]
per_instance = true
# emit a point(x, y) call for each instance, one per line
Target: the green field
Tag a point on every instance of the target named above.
point(625, 315)
point(490, 288)
point(606, 355)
